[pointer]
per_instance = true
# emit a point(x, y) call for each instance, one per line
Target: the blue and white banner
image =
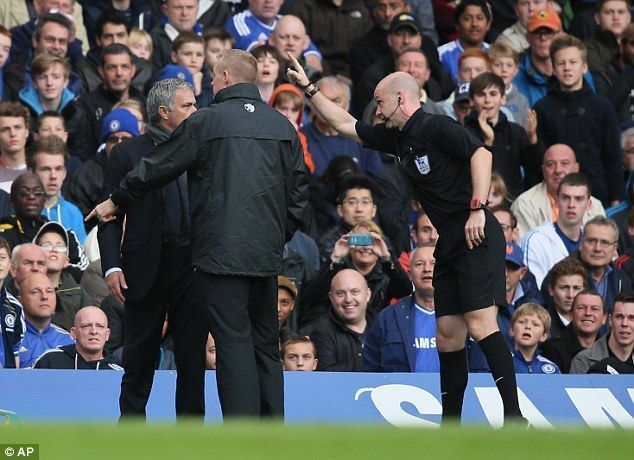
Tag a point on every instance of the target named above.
point(399, 399)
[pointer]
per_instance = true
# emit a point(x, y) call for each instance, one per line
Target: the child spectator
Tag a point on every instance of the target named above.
point(140, 43)
point(288, 100)
point(5, 50)
point(188, 50)
point(512, 148)
point(529, 328)
point(299, 354)
point(217, 40)
point(137, 108)
point(505, 64)
point(51, 123)
point(498, 192)
point(271, 64)
point(572, 114)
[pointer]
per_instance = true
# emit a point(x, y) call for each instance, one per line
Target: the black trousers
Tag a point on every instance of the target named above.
point(171, 294)
point(241, 313)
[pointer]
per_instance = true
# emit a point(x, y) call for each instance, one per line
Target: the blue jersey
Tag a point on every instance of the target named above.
point(35, 342)
point(425, 341)
point(11, 328)
point(538, 365)
point(449, 53)
point(250, 32)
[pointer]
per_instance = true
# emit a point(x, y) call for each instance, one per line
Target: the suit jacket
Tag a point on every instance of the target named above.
point(140, 252)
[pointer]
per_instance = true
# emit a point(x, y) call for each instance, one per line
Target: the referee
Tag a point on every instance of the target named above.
point(450, 172)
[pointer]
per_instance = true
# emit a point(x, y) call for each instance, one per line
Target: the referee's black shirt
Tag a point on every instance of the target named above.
point(434, 152)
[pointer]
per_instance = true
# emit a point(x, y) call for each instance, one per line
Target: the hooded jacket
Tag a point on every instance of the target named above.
point(67, 357)
point(287, 87)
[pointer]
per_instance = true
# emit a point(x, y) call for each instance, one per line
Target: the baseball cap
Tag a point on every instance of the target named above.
point(176, 71)
point(284, 282)
point(119, 120)
point(546, 18)
point(461, 93)
point(514, 254)
point(52, 227)
point(402, 21)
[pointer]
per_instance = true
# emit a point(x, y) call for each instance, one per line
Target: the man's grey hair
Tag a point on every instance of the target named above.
point(15, 254)
point(603, 222)
point(343, 86)
point(625, 135)
point(162, 94)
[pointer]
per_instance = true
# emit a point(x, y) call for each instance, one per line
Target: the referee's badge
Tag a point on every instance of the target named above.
point(422, 164)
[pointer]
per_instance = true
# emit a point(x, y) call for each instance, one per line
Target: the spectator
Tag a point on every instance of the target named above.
point(210, 353)
point(84, 188)
point(565, 280)
point(588, 315)
point(535, 65)
point(140, 43)
point(289, 36)
point(471, 63)
point(547, 244)
point(505, 64)
point(498, 192)
point(339, 338)
point(472, 20)
point(26, 259)
point(537, 205)
point(333, 26)
point(47, 160)
point(111, 29)
point(11, 316)
point(403, 336)
point(271, 64)
point(299, 354)
point(14, 132)
point(521, 287)
point(37, 296)
point(90, 331)
point(507, 221)
point(529, 329)
point(217, 40)
point(5, 48)
point(516, 155)
point(188, 50)
point(325, 143)
point(117, 69)
point(422, 232)
point(51, 124)
point(458, 106)
point(612, 17)
point(590, 127)
point(515, 35)
point(619, 342)
point(286, 295)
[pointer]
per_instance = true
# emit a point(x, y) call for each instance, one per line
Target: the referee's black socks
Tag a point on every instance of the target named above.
point(453, 383)
point(498, 356)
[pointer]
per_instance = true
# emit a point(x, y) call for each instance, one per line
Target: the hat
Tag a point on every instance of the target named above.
point(461, 93)
point(176, 71)
point(119, 120)
point(284, 282)
point(404, 20)
point(514, 254)
point(52, 227)
point(545, 18)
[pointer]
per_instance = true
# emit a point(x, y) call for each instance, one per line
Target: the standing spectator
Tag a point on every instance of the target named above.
point(299, 354)
point(339, 338)
point(565, 280)
point(403, 336)
point(537, 205)
point(37, 296)
point(472, 20)
point(529, 329)
point(515, 35)
point(619, 342)
point(14, 132)
point(12, 325)
point(547, 244)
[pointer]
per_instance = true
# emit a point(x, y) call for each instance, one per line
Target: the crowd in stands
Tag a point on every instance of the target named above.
point(546, 86)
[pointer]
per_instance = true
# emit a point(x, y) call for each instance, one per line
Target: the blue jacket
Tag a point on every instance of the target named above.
point(11, 328)
point(35, 342)
point(68, 215)
point(29, 96)
point(538, 365)
point(388, 343)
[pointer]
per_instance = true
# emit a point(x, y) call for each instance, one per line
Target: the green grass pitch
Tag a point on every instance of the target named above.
point(245, 440)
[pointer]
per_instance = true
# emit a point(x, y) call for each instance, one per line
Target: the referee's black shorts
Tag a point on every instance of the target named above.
point(469, 279)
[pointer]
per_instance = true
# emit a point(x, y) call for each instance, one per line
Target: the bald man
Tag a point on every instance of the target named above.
point(536, 206)
point(91, 334)
point(289, 36)
point(450, 172)
point(339, 337)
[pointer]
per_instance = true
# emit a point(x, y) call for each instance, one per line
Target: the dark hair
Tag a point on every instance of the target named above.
point(575, 180)
point(49, 114)
point(219, 33)
point(566, 267)
point(115, 48)
point(462, 6)
point(338, 167)
point(15, 109)
point(52, 145)
point(623, 296)
point(600, 4)
point(186, 37)
point(568, 41)
point(351, 182)
point(592, 292)
point(45, 18)
point(111, 16)
point(484, 81)
point(263, 50)
point(506, 209)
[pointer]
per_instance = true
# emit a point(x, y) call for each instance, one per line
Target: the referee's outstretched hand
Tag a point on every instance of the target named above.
point(474, 228)
point(295, 72)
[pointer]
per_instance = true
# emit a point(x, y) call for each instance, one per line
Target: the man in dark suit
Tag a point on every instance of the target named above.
point(151, 269)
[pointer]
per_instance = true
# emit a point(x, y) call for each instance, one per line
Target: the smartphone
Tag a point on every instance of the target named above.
point(360, 239)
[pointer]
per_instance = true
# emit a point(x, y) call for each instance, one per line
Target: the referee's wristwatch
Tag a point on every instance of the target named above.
point(475, 204)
